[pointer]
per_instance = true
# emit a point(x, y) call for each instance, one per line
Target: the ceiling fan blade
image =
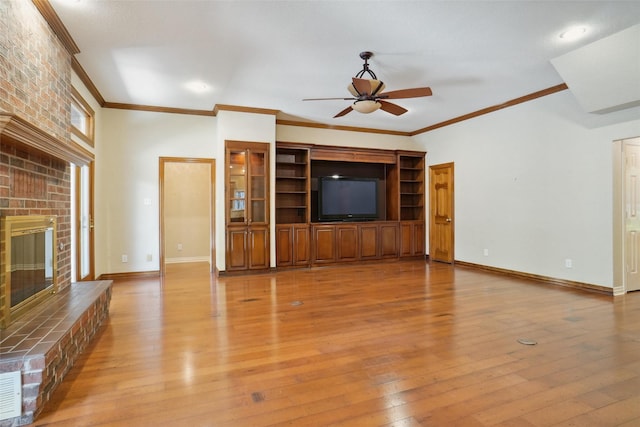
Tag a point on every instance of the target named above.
point(343, 112)
point(407, 93)
point(328, 99)
point(392, 108)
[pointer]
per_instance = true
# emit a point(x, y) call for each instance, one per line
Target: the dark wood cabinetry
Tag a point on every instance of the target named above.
point(247, 205)
point(412, 238)
point(292, 185)
point(292, 206)
point(359, 241)
point(400, 231)
point(411, 182)
point(411, 179)
point(324, 244)
point(292, 245)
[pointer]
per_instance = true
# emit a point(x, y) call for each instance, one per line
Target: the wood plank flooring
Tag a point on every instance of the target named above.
point(393, 344)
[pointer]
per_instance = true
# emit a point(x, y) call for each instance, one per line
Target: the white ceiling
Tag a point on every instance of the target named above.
point(272, 54)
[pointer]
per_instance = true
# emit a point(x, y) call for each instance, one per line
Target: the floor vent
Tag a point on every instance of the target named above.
point(10, 395)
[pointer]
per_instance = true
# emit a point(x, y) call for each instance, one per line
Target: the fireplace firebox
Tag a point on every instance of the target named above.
point(28, 275)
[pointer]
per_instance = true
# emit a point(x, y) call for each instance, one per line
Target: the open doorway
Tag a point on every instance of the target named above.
point(186, 211)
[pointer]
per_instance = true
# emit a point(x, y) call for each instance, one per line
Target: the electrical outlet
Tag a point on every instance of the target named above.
point(179, 246)
point(149, 258)
point(485, 252)
point(125, 258)
point(568, 263)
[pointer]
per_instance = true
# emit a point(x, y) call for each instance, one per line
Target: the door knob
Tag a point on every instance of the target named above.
point(448, 219)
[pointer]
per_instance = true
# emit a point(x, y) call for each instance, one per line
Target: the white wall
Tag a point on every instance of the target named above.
point(534, 187)
point(127, 174)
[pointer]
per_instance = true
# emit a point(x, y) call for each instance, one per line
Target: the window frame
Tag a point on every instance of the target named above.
point(81, 105)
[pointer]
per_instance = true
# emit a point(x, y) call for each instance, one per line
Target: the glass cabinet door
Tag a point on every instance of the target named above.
point(237, 186)
point(258, 193)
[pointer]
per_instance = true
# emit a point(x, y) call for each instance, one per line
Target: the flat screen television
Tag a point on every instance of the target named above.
point(347, 199)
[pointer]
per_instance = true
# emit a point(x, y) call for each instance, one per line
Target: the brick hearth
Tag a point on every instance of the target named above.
point(43, 344)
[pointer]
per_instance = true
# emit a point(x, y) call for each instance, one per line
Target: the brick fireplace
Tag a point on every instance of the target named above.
point(43, 343)
point(36, 152)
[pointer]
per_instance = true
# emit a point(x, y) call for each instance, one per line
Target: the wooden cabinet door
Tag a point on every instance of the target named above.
point(389, 240)
point(406, 239)
point(368, 241)
point(237, 248)
point(347, 242)
point(412, 240)
point(247, 205)
point(301, 248)
point(324, 244)
point(258, 247)
point(418, 239)
point(284, 246)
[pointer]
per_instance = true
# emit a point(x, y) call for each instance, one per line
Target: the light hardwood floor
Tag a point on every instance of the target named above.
point(391, 344)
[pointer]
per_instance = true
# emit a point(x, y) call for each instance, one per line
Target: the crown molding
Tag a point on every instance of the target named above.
point(151, 108)
point(511, 103)
point(54, 21)
point(86, 80)
point(240, 109)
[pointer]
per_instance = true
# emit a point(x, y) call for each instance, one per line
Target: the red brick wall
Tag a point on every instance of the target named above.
point(35, 69)
point(35, 84)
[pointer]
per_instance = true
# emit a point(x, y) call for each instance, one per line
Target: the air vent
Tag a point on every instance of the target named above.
point(10, 395)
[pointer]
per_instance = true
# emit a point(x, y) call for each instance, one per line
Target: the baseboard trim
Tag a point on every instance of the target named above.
point(184, 260)
point(544, 279)
point(129, 275)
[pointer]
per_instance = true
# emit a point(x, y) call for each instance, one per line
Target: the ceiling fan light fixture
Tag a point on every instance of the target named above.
point(366, 106)
point(375, 87)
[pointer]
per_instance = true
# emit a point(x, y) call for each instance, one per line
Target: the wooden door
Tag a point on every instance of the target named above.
point(441, 223)
point(632, 217)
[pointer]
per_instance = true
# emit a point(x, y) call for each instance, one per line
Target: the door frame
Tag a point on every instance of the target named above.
point(212, 190)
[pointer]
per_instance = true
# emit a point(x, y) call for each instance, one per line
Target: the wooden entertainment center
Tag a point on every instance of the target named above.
point(303, 240)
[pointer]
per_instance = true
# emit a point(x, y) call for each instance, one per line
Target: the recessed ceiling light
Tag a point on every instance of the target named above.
point(198, 86)
point(573, 33)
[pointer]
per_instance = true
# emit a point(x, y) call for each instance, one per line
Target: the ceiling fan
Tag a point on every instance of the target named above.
point(368, 95)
